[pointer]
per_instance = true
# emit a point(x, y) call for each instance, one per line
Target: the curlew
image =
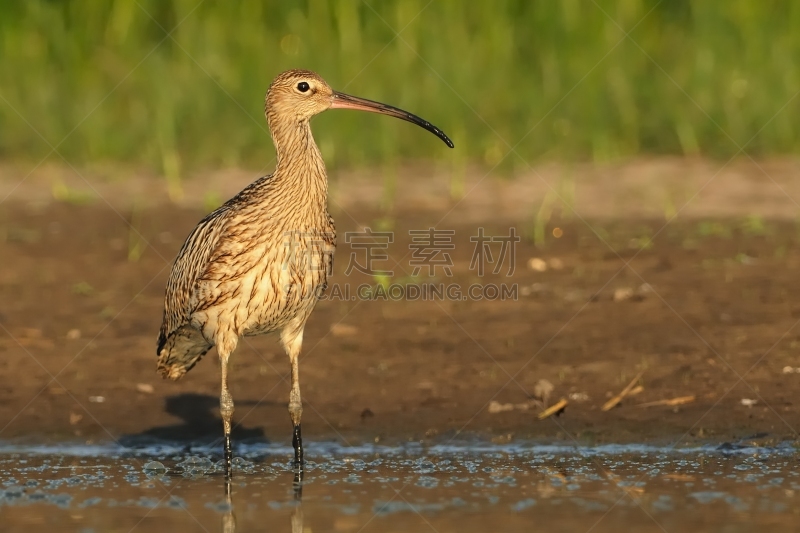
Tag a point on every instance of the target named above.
point(259, 263)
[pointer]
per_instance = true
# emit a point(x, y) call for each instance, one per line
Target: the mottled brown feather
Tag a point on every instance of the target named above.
point(244, 269)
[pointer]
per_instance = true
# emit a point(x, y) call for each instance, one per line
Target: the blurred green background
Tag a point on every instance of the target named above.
point(559, 78)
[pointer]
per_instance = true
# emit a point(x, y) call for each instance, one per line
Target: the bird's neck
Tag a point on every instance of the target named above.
point(300, 168)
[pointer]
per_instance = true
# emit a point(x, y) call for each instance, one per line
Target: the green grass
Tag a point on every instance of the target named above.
point(101, 81)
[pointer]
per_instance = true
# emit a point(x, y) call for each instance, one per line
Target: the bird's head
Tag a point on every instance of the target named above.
point(298, 95)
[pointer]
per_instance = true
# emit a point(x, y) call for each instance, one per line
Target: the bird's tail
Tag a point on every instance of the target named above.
point(180, 351)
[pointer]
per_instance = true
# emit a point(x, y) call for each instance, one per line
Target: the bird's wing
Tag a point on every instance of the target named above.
point(190, 264)
point(194, 259)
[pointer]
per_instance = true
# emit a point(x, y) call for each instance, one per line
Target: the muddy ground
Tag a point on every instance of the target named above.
point(709, 309)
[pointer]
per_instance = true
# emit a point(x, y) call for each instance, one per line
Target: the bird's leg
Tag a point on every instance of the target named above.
point(292, 340)
point(296, 410)
point(226, 409)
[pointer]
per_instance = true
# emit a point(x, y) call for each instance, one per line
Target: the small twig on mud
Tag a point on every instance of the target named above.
point(553, 409)
point(613, 402)
point(669, 402)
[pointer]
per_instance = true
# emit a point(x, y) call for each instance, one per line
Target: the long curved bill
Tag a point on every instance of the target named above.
point(345, 101)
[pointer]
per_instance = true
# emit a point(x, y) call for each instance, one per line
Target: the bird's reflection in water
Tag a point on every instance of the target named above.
point(297, 486)
point(229, 519)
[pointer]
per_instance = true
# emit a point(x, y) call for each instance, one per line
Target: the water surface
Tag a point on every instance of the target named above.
point(411, 488)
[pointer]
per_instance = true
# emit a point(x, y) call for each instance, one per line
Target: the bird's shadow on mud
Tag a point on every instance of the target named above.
point(200, 424)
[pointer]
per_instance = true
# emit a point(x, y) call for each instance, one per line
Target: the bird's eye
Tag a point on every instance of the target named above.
point(303, 87)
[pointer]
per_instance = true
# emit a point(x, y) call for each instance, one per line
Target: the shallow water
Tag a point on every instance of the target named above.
point(413, 488)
